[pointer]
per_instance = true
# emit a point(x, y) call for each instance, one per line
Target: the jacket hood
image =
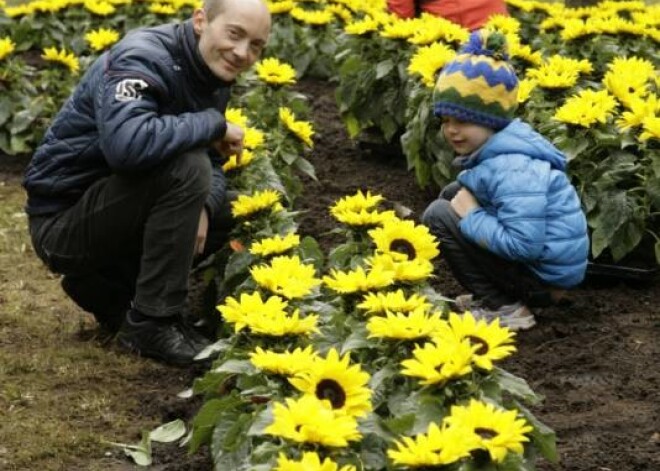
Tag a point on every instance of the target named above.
point(520, 138)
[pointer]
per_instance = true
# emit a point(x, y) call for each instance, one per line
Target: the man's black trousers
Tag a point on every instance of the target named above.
point(131, 237)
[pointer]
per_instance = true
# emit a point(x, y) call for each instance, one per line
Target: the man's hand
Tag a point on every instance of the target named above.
point(202, 231)
point(231, 143)
point(464, 202)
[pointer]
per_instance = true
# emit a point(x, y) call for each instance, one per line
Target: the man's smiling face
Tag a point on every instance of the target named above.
point(233, 40)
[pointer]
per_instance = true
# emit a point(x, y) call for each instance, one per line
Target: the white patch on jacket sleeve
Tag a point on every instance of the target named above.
point(130, 89)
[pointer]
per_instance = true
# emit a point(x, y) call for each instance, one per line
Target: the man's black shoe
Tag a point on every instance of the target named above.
point(198, 340)
point(163, 339)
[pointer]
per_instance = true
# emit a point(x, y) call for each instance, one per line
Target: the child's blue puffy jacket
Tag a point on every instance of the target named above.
point(529, 211)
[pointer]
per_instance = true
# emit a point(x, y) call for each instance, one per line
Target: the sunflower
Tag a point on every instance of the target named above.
point(400, 29)
point(358, 280)
point(551, 23)
point(101, 38)
point(499, 431)
point(341, 12)
point(238, 311)
point(365, 218)
point(437, 365)
point(559, 72)
point(640, 109)
point(232, 162)
point(271, 70)
point(253, 138)
point(7, 46)
point(393, 301)
point(586, 108)
point(437, 447)
point(574, 28)
point(361, 210)
point(19, 10)
point(310, 462)
point(362, 26)
point(428, 60)
point(63, 57)
point(279, 323)
point(504, 24)
point(448, 31)
point(283, 6)
point(414, 325)
point(286, 276)
point(309, 420)
point(651, 127)
point(236, 116)
point(525, 52)
point(162, 9)
point(286, 363)
point(302, 129)
point(99, 8)
point(405, 271)
point(357, 202)
point(247, 205)
point(405, 240)
point(492, 342)
point(339, 385)
point(312, 17)
point(525, 89)
point(627, 78)
point(275, 245)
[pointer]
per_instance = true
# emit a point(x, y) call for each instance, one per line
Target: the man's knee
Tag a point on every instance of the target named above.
point(193, 170)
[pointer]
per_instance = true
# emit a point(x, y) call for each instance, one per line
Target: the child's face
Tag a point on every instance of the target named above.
point(464, 137)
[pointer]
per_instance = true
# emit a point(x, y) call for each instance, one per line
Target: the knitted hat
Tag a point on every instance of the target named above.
point(479, 85)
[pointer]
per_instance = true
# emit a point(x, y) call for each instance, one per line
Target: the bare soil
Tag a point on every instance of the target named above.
point(594, 358)
point(64, 390)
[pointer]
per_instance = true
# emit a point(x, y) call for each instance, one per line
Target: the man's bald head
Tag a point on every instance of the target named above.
point(215, 7)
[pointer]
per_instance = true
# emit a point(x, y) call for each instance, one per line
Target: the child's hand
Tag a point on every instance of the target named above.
point(464, 202)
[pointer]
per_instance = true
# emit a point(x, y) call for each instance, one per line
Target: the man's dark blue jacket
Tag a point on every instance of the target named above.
point(148, 99)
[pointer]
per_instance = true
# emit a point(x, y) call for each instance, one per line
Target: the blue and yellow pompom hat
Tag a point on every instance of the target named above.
point(479, 85)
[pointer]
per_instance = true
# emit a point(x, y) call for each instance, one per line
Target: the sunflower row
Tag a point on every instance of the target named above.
point(316, 377)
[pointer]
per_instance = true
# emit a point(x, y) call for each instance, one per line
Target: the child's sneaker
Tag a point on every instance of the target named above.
point(515, 316)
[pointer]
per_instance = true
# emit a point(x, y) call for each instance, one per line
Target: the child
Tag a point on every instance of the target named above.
point(511, 227)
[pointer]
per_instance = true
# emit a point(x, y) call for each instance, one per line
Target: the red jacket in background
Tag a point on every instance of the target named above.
point(472, 14)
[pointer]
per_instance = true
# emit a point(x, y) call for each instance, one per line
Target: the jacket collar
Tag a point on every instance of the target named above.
point(198, 70)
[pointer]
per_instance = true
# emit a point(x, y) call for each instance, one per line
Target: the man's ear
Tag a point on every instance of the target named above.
point(199, 21)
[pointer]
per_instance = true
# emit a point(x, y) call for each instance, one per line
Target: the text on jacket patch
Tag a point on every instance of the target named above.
point(129, 89)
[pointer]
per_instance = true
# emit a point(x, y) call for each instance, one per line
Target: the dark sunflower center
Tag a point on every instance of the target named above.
point(403, 246)
point(486, 433)
point(481, 457)
point(482, 346)
point(332, 391)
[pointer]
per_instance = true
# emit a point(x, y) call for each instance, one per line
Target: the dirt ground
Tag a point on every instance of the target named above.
point(64, 391)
